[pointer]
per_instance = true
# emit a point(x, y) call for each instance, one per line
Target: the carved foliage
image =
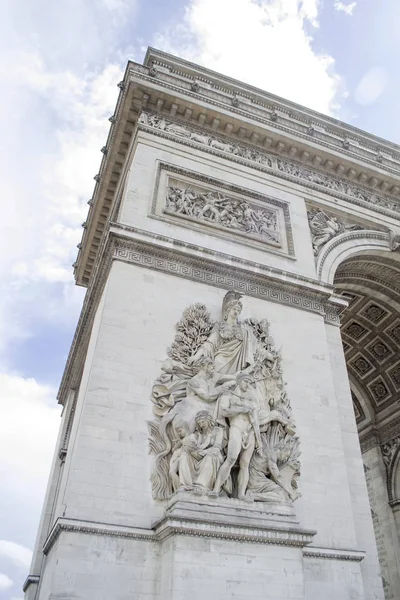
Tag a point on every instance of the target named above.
point(191, 332)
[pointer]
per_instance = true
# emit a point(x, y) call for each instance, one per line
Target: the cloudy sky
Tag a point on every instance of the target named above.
point(59, 66)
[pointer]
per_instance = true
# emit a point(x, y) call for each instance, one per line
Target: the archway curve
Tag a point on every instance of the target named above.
point(349, 244)
point(362, 404)
point(393, 476)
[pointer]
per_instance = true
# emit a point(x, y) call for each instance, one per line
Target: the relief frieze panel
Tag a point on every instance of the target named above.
point(213, 207)
point(222, 422)
point(262, 160)
point(324, 226)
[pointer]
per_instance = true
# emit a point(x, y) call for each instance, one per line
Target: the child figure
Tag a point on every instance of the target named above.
point(182, 431)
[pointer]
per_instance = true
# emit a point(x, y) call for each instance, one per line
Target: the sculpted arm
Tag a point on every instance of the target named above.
point(200, 389)
point(228, 409)
point(208, 348)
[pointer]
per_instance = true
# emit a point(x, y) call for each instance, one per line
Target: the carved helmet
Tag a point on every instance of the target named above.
point(230, 299)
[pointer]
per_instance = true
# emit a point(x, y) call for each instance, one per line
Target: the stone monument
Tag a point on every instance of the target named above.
point(208, 445)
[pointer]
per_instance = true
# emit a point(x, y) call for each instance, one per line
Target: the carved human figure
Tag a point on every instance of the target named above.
point(231, 344)
point(241, 410)
point(210, 209)
point(208, 384)
point(265, 479)
point(182, 431)
point(219, 398)
point(324, 228)
point(249, 218)
point(195, 462)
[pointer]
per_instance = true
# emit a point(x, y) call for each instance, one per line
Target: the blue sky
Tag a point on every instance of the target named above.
point(60, 63)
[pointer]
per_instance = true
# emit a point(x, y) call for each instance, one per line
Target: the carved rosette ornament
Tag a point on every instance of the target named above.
point(222, 422)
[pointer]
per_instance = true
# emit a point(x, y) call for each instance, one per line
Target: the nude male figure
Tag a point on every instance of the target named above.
point(244, 433)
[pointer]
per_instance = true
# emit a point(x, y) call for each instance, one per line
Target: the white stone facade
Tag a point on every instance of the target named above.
point(103, 536)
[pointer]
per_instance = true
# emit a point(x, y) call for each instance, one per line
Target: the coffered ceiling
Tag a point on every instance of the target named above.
point(371, 333)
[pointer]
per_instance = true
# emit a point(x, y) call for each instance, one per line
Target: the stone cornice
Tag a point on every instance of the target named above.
point(31, 579)
point(211, 268)
point(169, 526)
point(369, 439)
point(333, 554)
point(277, 164)
point(280, 114)
point(91, 528)
point(223, 271)
point(285, 131)
point(264, 533)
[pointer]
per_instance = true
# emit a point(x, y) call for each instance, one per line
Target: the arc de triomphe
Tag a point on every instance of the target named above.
point(231, 424)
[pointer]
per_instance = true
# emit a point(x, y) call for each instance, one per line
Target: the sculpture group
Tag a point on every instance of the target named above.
point(222, 422)
point(324, 227)
point(226, 212)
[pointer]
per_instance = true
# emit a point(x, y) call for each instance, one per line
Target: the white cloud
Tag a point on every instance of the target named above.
point(18, 554)
point(43, 210)
point(5, 582)
point(28, 428)
point(371, 86)
point(265, 43)
point(348, 9)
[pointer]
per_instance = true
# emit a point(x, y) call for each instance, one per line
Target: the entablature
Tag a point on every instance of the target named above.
point(305, 146)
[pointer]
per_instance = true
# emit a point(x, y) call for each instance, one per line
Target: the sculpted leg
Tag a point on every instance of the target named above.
point(234, 446)
point(243, 477)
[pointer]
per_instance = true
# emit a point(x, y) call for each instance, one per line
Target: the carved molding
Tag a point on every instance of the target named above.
point(293, 536)
point(92, 528)
point(342, 238)
point(300, 293)
point(333, 554)
point(284, 535)
point(169, 526)
point(369, 440)
point(247, 154)
point(390, 453)
point(198, 269)
point(260, 106)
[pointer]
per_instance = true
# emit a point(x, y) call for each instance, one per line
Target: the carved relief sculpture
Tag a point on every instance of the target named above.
point(224, 212)
point(223, 422)
point(324, 227)
point(314, 178)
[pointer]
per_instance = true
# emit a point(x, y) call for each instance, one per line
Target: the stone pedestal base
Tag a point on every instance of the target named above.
point(220, 549)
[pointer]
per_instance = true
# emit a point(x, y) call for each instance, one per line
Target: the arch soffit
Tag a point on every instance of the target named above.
point(347, 245)
point(367, 416)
